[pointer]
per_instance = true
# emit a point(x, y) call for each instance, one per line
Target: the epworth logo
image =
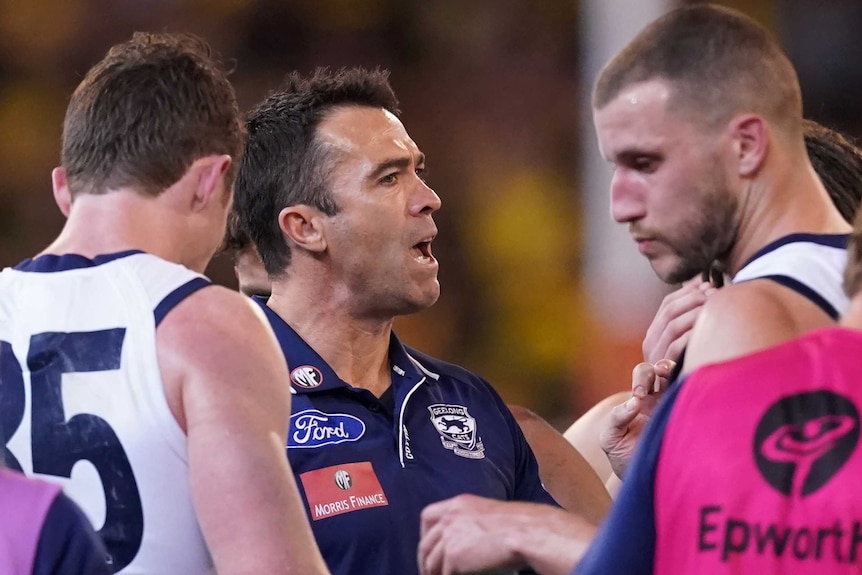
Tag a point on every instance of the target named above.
point(803, 440)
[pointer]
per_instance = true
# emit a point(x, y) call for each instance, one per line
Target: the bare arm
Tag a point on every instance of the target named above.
point(584, 433)
point(564, 472)
point(226, 381)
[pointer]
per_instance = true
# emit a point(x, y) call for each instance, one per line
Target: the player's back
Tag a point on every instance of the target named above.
point(759, 465)
point(83, 403)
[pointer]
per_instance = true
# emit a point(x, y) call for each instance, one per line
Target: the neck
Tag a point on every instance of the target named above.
point(355, 347)
point(773, 207)
point(124, 220)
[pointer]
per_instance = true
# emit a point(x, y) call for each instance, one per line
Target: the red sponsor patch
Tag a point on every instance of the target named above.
point(342, 489)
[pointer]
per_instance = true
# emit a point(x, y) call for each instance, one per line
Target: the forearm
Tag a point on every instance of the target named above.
point(549, 540)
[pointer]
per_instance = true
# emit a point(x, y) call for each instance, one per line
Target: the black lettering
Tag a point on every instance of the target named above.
point(771, 536)
point(822, 534)
point(801, 551)
point(857, 539)
point(705, 528)
point(732, 545)
point(839, 535)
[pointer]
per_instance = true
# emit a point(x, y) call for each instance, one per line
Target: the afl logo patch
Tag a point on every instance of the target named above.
point(306, 376)
point(343, 480)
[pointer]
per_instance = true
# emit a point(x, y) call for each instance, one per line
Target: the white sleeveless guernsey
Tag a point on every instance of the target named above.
point(82, 402)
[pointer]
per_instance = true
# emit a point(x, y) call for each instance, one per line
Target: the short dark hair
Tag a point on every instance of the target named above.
point(142, 115)
point(717, 61)
point(838, 162)
point(236, 238)
point(284, 163)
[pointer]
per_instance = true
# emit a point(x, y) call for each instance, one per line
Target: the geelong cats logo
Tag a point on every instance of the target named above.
point(457, 430)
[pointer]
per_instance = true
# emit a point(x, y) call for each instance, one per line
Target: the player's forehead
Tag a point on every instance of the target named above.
point(640, 117)
point(366, 134)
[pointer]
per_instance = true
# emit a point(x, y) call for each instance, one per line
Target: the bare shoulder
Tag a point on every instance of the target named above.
point(217, 340)
point(747, 317)
point(211, 318)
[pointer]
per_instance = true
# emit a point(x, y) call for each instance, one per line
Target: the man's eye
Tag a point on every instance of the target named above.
point(645, 164)
point(422, 173)
point(388, 179)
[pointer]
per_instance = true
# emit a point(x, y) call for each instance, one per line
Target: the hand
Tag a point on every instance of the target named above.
point(470, 534)
point(669, 331)
point(627, 420)
point(464, 535)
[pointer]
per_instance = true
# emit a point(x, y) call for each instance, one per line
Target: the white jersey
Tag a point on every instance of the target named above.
point(810, 264)
point(82, 402)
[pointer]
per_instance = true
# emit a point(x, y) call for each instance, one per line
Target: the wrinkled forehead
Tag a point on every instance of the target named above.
point(365, 132)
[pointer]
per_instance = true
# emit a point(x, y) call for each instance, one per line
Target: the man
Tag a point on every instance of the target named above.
point(565, 474)
point(773, 486)
point(838, 163)
point(154, 398)
point(710, 166)
point(331, 192)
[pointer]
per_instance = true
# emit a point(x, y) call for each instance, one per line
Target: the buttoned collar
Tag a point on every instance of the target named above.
point(309, 373)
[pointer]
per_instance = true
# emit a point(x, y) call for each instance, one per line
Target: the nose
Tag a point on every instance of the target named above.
point(627, 203)
point(425, 200)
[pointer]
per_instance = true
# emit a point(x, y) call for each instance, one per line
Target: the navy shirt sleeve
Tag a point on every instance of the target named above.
point(625, 543)
point(67, 544)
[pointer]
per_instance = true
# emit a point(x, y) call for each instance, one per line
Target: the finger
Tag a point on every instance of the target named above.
point(643, 376)
point(676, 349)
point(662, 379)
point(432, 514)
point(664, 368)
point(670, 322)
point(620, 418)
point(675, 336)
point(430, 552)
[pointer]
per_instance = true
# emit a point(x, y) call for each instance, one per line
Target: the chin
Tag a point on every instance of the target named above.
point(420, 303)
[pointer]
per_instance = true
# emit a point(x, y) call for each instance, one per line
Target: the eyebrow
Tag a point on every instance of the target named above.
point(629, 155)
point(400, 163)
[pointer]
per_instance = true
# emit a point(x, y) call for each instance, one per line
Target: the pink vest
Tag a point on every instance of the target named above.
point(23, 506)
point(760, 470)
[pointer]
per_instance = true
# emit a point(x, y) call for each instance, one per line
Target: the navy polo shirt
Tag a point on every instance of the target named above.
point(366, 467)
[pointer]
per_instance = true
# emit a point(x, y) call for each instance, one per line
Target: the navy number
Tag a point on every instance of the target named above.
point(58, 444)
point(11, 400)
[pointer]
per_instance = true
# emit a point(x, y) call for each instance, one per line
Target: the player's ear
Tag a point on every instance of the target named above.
point(62, 195)
point(303, 226)
point(750, 136)
point(207, 175)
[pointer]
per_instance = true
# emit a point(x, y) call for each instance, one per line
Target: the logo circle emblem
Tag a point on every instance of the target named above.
point(803, 440)
point(343, 480)
point(306, 376)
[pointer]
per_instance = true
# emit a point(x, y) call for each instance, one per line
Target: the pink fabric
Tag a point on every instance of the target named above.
point(23, 506)
point(752, 478)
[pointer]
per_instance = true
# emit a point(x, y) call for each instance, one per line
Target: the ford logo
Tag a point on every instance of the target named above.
point(313, 428)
